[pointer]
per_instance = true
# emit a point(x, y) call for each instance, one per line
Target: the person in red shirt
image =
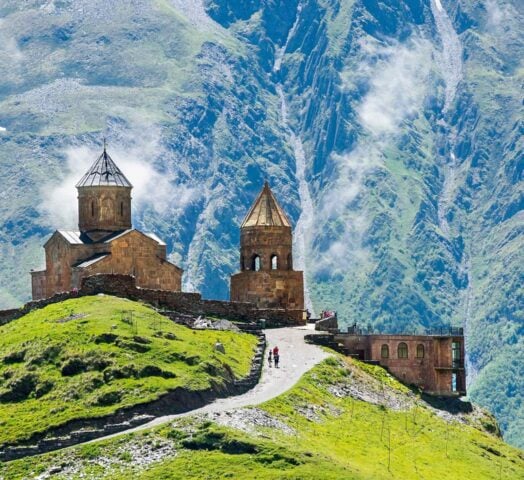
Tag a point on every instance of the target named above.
point(276, 356)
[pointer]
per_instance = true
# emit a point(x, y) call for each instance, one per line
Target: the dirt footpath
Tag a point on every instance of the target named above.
point(296, 358)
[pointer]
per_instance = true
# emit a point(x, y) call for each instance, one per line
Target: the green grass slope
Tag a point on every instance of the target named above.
point(89, 356)
point(343, 420)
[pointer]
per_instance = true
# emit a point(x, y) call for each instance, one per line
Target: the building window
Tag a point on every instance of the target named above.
point(92, 208)
point(289, 262)
point(384, 351)
point(242, 263)
point(274, 262)
point(454, 382)
point(455, 354)
point(256, 263)
point(121, 209)
point(402, 350)
point(420, 351)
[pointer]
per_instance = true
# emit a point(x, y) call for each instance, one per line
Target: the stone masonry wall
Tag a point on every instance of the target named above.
point(188, 303)
point(269, 289)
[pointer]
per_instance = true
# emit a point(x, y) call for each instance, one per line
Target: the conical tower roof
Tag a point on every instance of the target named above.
point(104, 173)
point(266, 212)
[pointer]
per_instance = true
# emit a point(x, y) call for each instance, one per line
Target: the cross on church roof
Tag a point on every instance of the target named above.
point(104, 172)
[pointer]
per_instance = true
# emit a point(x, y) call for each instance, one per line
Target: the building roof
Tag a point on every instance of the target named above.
point(103, 173)
point(90, 261)
point(155, 238)
point(266, 211)
point(77, 238)
point(73, 237)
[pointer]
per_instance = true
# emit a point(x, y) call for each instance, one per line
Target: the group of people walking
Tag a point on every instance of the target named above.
point(274, 356)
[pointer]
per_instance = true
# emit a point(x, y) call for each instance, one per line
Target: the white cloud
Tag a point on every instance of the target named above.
point(397, 84)
point(8, 44)
point(3, 129)
point(499, 15)
point(135, 154)
point(396, 75)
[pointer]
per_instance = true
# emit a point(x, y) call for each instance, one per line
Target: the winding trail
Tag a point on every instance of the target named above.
point(296, 358)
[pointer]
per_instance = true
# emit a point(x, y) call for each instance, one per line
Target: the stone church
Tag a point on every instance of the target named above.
point(266, 277)
point(105, 241)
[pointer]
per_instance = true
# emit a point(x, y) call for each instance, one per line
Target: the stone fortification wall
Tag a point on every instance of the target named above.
point(188, 303)
point(269, 289)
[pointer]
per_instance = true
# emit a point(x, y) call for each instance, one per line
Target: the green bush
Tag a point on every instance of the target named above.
point(14, 357)
point(154, 371)
point(108, 398)
point(73, 366)
point(19, 388)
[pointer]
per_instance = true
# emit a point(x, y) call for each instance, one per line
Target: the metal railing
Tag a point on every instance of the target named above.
point(444, 331)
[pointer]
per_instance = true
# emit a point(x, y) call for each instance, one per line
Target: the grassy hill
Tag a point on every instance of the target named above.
point(343, 420)
point(90, 356)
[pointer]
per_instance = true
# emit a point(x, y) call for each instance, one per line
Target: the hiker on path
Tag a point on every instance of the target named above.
point(270, 358)
point(276, 356)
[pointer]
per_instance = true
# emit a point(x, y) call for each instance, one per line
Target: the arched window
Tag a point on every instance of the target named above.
point(274, 262)
point(384, 351)
point(242, 263)
point(121, 209)
point(289, 262)
point(420, 350)
point(256, 263)
point(402, 350)
point(92, 208)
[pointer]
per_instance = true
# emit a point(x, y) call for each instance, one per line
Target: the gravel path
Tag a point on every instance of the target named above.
point(296, 358)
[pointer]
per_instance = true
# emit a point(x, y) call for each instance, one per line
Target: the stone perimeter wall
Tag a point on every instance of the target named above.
point(188, 303)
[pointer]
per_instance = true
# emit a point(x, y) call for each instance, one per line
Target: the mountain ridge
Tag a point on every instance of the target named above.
point(413, 219)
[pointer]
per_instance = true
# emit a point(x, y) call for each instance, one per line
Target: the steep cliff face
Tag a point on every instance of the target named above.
point(391, 131)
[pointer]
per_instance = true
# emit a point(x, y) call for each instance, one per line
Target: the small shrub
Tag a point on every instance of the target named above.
point(106, 338)
point(276, 457)
point(193, 360)
point(94, 383)
point(176, 434)
point(92, 361)
point(73, 366)
point(238, 447)
point(204, 441)
point(209, 368)
point(19, 388)
point(142, 340)
point(183, 357)
point(108, 398)
point(129, 345)
point(170, 336)
point(154, 371)
point(126, 457)
point(98, 361)
point(43, 388)
point(126, 371)
point(14, 357)
point(48, 355)
point(90, 451)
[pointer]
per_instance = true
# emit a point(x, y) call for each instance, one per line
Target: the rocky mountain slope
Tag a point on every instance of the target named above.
point(343, 419)
point(390, 130)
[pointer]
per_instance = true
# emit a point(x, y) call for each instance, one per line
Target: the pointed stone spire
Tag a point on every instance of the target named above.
point(266, 212)
point(104, 172)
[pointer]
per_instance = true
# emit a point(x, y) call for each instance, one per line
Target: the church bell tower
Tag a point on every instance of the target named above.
point(104, 199)
point(266, 276)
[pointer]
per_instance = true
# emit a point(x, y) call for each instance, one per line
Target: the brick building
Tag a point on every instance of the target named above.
point(433, 362)
point(105, 241)
point(266, 277)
